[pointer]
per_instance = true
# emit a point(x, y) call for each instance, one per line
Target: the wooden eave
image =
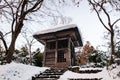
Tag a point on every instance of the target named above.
point(73, 33)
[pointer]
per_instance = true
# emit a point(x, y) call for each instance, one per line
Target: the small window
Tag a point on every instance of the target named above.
point(62, 43)
point(60, 56)
point(51, 45)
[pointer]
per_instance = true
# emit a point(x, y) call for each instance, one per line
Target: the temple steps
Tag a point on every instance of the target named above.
point(49, 74)
point(54, 74)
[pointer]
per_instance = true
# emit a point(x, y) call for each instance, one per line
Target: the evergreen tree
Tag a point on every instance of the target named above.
point(38, 58)
point(99, 58)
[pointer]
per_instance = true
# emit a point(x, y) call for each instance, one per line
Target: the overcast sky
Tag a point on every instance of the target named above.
point(87, 21)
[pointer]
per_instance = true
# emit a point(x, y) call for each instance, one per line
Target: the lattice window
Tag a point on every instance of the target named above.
point(60, 56)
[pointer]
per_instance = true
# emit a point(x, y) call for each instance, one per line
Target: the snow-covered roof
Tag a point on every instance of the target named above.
point(60, 31)
point(56, 28)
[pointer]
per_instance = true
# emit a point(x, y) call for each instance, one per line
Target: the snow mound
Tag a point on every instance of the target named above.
point(17, 71)
point(104, 74)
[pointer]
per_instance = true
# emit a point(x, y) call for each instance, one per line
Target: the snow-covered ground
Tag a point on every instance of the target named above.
point(17, 71)
point(105, 74)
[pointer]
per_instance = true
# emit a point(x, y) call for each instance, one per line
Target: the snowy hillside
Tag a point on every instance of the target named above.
point(111, 74)
point(15, 71)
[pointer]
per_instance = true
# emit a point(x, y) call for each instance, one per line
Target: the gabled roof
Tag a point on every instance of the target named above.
point(64, 30)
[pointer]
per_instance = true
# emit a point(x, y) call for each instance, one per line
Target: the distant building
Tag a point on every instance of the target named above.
point(60, 43)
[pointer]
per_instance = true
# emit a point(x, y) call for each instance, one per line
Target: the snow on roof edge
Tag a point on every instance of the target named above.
point(56, 28)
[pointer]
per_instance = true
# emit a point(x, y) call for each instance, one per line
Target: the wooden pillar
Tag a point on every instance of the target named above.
point(56, 49)
point(69, 50)
point(44, 55)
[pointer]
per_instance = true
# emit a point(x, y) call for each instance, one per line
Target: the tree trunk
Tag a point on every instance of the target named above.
point(30, 53)
point(11, 49)
point(112, 48)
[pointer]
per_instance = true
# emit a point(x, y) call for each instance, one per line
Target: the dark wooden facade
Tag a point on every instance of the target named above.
point(59, 45)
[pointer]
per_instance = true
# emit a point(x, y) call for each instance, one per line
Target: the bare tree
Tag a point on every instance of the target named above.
point(16, 11)
point(29, 42)
point(103, 6)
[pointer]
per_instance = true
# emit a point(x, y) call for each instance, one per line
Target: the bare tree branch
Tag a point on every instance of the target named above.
point(115, 22)
point(7, 33)
point(99, 15)
point(35, 8)
point(10, 8)
point(3, 40)
point(117, 43)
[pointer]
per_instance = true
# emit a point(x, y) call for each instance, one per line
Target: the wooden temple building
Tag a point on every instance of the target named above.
point(60, 44)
